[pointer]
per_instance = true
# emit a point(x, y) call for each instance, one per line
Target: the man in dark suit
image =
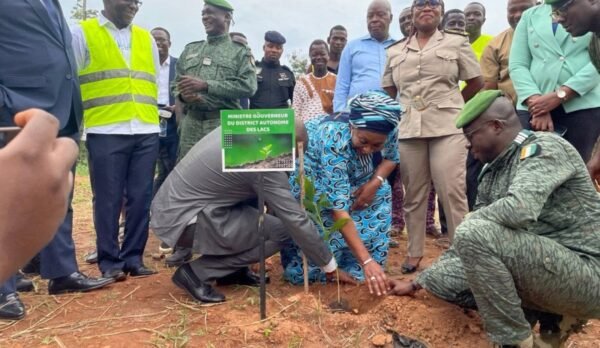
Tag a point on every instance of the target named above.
point(38, 70)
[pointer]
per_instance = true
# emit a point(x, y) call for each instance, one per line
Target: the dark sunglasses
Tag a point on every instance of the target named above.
point(422, 3)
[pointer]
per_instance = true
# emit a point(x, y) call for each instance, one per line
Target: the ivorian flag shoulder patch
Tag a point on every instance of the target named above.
point(530, 151)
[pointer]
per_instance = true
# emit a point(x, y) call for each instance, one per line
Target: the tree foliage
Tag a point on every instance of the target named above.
point(298, 62)
point(80, 11)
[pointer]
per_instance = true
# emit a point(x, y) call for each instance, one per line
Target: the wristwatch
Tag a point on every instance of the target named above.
point(561, 94)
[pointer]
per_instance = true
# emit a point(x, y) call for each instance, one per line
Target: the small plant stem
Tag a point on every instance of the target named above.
point(302, 194)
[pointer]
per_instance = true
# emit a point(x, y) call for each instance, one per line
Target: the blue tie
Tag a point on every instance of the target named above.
point(53, 13)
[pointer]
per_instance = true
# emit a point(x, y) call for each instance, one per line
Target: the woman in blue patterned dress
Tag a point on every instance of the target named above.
point(339, 161)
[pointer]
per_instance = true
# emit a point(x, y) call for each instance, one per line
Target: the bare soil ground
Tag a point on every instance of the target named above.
point(153, 312)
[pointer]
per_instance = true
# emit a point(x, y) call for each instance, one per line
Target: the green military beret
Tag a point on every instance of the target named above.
point(476, 106)
point(554, 2)
point(223, 4)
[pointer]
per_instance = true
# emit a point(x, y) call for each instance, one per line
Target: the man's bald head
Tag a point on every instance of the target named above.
point(379, 17)
point(385, 4)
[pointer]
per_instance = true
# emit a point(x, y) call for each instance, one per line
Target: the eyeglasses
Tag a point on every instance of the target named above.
point(469, 134)
point(420, 4)
point(561, 12)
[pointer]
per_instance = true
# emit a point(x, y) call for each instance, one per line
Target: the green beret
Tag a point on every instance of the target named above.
point(476, 106)
point(223, 4)
point(554, 2)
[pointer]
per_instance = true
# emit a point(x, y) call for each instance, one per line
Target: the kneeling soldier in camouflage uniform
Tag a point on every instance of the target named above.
point(532, 245)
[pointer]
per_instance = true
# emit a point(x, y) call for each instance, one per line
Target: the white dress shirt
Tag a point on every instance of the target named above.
point(163, 82)
point(123, 39)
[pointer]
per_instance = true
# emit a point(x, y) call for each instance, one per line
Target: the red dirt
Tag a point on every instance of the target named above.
point(153, 312)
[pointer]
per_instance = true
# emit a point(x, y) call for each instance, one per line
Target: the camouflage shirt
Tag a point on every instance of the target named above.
point(228, 68)
point(540, 185)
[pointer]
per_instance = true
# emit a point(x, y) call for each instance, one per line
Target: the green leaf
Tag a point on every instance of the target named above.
point(323, 202)
point(310, 206)
point(326, 234)
point(315, 219)
point(309, 189)
point(268, 147)
point(339, 224)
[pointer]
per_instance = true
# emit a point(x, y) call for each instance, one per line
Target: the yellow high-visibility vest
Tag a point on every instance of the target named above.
point(113, 91)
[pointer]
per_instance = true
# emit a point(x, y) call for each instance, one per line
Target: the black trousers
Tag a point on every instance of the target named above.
point(582, 127)
point(118, 164)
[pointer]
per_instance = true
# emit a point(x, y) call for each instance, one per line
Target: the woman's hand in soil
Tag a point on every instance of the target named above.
point(342, 276)
point(376, 278)
point(403, 287)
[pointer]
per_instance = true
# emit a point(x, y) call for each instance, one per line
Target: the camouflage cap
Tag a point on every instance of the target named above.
point(222, 4)
point(476, 106)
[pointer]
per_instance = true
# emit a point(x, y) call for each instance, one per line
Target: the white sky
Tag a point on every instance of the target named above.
point(300, 21)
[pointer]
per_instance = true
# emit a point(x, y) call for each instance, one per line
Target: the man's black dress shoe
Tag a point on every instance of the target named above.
point(33, 266)
point(23, 284)
point(185, 278)
point(76, 282)
point(140, 271)
point(179, 257)
point(243, 276)
point(91, 257)
point(116, 274)
point(11, 307)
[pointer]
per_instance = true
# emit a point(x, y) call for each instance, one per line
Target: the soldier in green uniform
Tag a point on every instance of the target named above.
point(212, 75)
point(532, 245)
point(580, 17)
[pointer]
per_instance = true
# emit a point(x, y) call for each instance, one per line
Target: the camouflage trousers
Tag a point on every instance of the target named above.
point(398, 203)
point(500, 271)
point(191, 130)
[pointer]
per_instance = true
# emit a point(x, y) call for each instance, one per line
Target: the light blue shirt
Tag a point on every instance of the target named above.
point(361, 68)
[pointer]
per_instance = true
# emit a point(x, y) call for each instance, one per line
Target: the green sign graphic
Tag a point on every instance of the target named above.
point(258, 140)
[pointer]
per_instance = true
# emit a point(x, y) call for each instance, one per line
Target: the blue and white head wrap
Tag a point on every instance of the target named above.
point(375, 111)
